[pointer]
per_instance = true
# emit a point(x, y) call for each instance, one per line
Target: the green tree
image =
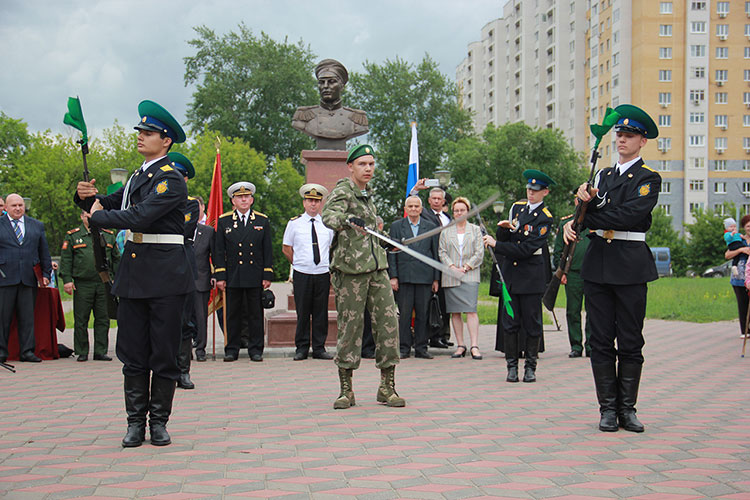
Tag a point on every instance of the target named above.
point(394, 94)
point(706, 245)
point(14, 137)
point(661, 233)
point(249, 87)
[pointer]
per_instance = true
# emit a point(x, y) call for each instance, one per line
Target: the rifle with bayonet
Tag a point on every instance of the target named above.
point(74, 118)
point(503, 289)
point(550, 295)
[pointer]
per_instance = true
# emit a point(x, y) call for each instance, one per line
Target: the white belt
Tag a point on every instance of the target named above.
point(171, 239)
point(611, 234)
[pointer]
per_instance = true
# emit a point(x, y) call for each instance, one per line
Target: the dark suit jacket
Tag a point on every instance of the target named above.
point(244, 257)
point(17, 260)
point(204, 248)
point(428, 214)
point(405, 267)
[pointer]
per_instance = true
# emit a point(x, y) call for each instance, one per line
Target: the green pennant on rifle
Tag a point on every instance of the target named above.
point(74, 118)
point(608, 121)
point(506, 299)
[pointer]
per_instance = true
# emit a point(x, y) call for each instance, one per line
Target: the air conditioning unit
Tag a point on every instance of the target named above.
point(696, 102)
point(747, 105)
point(747, 149)
point(723, 127)
point(720, 151)
point(663, 104)
point(723, 37)
point(722, 15)
point(720, 83)
point(663, 149)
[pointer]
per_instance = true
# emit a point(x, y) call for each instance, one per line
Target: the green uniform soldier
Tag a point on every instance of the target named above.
point(78, 274)
point(573, 292)
point(359, 276)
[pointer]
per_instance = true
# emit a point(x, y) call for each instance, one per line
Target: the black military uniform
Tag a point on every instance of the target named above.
point(616, 267)
point(152, 282)
point(525, 272)
point(243, 259)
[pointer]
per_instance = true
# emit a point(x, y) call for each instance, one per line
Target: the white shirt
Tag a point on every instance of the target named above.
point(442, 217)
point(246, 215)
point(21, 224)
point(298, 235)
point(534, 206)
point(625, 166)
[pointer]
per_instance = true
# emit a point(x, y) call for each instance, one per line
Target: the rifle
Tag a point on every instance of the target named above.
point(74, 118)
point(504, 289)
point(550, 295)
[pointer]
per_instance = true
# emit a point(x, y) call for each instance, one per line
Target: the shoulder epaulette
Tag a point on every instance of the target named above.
point(357, 116)
point(166, 168)
point(108, 231)
point(566, 217)
point(192, 197)
point(520, 203)
point(605, 168)
point(226, 214)
point(649, 168)
point(304, 114)
point(75, 230)
point(261, 214)
point(295, 217)
point(547, 212)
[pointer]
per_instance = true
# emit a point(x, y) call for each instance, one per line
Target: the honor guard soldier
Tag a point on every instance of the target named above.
point(154, 277)
point(80, 279)
point(360, 280)
point(519, 244)
point(189, 322)
point(244, 267)
point(617, 265)
point(307, 245)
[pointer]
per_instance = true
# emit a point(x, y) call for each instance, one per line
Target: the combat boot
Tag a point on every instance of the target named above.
point(605, 381)
point(511, 356)
point(346, 396)
point(183, 363)
point(387, 390)
point(532, 354)
point(628, 379)
point(136, 406)
point(160, 407)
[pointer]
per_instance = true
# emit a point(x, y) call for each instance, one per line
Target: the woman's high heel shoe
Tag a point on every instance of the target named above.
point(459, 354)
point(473, 356)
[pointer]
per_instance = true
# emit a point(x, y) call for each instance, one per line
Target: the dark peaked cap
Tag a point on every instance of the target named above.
point(333, 66)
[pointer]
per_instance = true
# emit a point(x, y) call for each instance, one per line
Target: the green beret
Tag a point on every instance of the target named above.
point(361, 150)
point(636, 121)
point(537, 180)
point(182, 164)
point(157, 119)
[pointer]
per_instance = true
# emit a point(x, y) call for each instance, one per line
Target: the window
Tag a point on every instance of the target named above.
point(697, 50)
point(722, 8)
point(746, 168)
point(616, 37)
point(666, 209)
point(698, 27)
point(746, 120)
point(615, 59)
point(663, 165)
point(721, 75)
point(665, 120)
point(746, 143)
point(722, 30)
point(720, 165)
point(665, 30)
point(747, 8)
point(746, 188)
point(698, 6)
point(746, 98)
point(720, 121)
point(722, 52)
point(615, 81)
point(665, 52)
point(720, 209)
point(720, 143)
point(665, 75)
point(698, 72)
point(697, 117)
point(697, 95)
point(696, 206)
point(721, 98)
point(665, 7)
point(720, 188)
point(697, 140)
point(696, 185)
point(747, 30)
point(666, 188)
point(747, 52)
point(664, 143)
point(697, 162)
point(746, 75)
point(665, 98)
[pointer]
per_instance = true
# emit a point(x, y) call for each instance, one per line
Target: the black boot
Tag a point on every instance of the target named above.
point(532, 353)
point(136, 406)
point(511, 356)
point(160, 407)
point(183, 362)
point(628, 379)
point(605, 380)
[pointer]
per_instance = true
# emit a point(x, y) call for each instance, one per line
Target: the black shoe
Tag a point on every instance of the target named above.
point(608, 421)
point(30, 357)
point(575, 354)
point(200, 356)
point(322, 355)
point(102, 357)
point(628, 380)
point(605, 381)
point(529, 375)
point(160, 408)
point(475, 356)
point(299, 356)
point(459, 354)
point(405, 355)
point(228, 358)
point(82, 357)
point(423, 355)
point(512, 373)
point(439, 343)
point(184, 381)
point(368, 355)
point(256, 357)
point(136, 406)
point(448, 343)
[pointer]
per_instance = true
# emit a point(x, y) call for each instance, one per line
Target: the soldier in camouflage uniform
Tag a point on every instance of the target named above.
point(359, 275)
point(78, 274)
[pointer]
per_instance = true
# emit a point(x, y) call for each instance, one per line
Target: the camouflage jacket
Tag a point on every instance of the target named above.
point(351, 251)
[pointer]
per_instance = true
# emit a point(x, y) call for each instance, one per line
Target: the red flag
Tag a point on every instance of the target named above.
point(215, 199)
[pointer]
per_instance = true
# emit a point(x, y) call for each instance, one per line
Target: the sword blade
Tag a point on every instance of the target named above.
point(471, 213)
point(423, 258)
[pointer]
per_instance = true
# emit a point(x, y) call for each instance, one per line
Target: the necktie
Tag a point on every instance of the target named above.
point(17, 230)
point(316, 251)
point(242, 220)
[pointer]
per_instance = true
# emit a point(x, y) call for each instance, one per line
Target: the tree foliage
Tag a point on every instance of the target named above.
point(661, 233)
point(14, 137)
point(394, 94)
point(706, 245)
point(248, 87)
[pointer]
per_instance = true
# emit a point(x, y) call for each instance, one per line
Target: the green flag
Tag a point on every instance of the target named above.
point(610, 118)
point(74, 118)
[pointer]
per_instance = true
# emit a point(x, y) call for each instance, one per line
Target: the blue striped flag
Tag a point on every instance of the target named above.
point(413, 175)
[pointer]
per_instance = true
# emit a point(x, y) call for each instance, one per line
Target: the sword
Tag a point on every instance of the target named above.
point(471, 213)
point(423, 258)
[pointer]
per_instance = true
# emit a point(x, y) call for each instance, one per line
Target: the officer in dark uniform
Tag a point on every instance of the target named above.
point(617, 266)
point(520, 244)
point(244, 267)
point(154, 277)
point(80, 279)
point(189, 321)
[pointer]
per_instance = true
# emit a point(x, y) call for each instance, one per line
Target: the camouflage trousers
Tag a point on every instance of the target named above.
point(354, 293)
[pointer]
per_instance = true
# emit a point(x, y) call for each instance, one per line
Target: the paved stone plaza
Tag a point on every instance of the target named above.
point(266, 430)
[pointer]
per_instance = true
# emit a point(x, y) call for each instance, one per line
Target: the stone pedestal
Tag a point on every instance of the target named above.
point(280, 327)
point(325, 167)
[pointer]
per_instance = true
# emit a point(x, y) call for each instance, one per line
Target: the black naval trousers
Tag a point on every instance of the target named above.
point(527, 312)
point(244, 302)
point(311, 299)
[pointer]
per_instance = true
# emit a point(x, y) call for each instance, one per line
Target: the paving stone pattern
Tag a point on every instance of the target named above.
point(268, 430)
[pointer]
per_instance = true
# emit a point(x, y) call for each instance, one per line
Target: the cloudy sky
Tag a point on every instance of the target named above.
point(114, 53)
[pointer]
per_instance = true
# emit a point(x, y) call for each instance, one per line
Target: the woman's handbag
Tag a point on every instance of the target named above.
point(434, 314)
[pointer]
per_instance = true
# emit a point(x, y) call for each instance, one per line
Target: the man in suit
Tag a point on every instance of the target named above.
point(412, 280)
point(617, 267)
point(154, 278)
point(203, 245)
point(23, 245)
point(520, 243)
point(244, 267)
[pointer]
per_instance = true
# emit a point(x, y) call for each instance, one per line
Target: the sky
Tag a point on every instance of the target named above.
point(115, 53)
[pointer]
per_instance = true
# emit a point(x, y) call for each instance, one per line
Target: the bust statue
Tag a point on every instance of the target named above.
point(330, 123)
